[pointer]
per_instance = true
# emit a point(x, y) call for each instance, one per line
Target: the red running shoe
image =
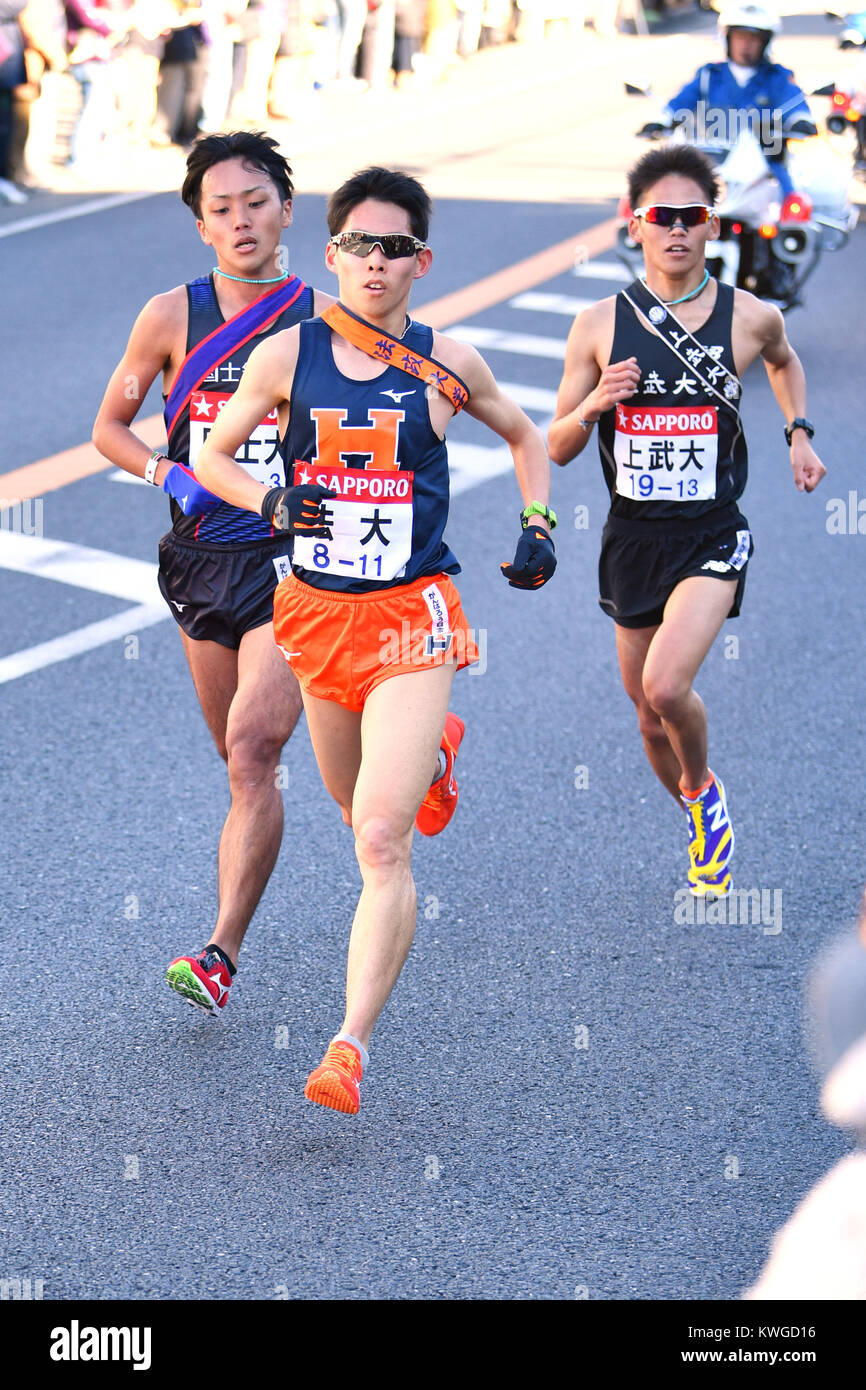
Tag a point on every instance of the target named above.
point(203, 980)
point(440, 803)
point(336, 1082)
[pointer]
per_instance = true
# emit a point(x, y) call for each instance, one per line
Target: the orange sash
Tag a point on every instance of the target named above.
point(384, 348)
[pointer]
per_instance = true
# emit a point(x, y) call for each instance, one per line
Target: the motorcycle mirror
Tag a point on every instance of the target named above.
point(825, 91)
point(833, 14)
point(633, 90)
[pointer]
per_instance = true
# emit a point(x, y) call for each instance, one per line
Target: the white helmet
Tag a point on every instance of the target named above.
point(757, 18)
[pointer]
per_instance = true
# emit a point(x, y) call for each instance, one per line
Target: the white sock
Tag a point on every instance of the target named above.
point(347, 1037)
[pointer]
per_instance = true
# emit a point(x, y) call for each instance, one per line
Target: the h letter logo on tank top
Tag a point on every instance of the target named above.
point(370, 519)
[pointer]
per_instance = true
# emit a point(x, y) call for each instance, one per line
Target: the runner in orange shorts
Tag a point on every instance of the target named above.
point(369, 619)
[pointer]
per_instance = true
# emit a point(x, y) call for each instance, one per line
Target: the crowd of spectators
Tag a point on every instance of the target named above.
point(157, 73)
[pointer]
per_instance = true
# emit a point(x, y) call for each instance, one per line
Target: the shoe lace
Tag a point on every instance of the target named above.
point(344, 1055)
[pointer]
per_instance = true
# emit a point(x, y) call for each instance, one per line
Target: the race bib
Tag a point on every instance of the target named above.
point(260, 455)
point(666, 454)
point(370, 523)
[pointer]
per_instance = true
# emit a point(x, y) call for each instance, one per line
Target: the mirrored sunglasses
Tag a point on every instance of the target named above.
point(395, 245)
point(666, 214)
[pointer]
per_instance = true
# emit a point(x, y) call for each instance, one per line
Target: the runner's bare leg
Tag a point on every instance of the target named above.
point(632, 644)
point(259, 718)
point(401, 731)
point(693, 617)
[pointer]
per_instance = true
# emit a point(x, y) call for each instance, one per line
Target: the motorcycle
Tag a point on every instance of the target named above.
point(847, 117)
point(847, 114)
point(767, 244)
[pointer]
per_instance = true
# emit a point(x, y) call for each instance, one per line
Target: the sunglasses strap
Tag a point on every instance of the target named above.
point(383, 347)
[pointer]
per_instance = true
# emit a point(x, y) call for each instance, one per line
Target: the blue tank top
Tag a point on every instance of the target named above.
point(372, 443)
point(260, 455)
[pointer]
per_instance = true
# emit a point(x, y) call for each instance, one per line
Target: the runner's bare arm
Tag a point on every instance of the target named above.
point(587, 388)
point(155, 336)
point(788, 382)
point(496, 410)
point(266, 384)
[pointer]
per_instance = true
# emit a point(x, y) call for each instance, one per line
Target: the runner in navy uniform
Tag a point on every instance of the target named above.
point(370, 619)
point(658, 367)
point(219, 565)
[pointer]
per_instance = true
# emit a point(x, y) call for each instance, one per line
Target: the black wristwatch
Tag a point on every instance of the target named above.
point(799, 424)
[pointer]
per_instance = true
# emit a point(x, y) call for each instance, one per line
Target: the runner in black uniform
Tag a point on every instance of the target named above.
point(676, 545)
point(219, 565)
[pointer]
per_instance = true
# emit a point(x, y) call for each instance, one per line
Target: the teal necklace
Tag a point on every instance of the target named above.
point(244, 281)
point(685, 297)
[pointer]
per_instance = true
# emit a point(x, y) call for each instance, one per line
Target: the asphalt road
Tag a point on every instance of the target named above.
point(571, 1092)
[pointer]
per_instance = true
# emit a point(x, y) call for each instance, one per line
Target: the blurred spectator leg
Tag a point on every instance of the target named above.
point(169, 104)
point(377, 46)
point(42, 135)
point(442, 35)
point(261, 56)
point(469, 14)
point(352, 15)
point(218, 87)
point(195, 79)
point(12, 76)
point(94, 117)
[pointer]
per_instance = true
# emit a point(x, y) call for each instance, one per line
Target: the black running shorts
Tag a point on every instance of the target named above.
point(642, 562)
point(218, 592)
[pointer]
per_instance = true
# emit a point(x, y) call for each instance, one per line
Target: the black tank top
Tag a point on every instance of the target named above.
point(672, 449)
point(261, 455)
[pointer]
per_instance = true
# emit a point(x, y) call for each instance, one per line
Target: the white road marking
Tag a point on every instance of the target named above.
point(551, 303)
point(66, 563)
point(45, 219)
point(529, 344)
point(82, 639)
point(101, 572)
point(604, 270)
point(471, 464)
point(120, 475)
point(529, 397)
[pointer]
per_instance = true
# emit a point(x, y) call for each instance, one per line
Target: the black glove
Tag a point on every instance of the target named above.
point(534, 560)
point(298, 510)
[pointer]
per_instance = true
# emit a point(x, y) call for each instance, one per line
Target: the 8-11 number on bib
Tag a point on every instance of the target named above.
point(370, 523)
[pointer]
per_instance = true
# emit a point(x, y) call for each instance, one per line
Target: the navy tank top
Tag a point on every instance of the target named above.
point(261, 455)
point(372, 443)
point(673, 449)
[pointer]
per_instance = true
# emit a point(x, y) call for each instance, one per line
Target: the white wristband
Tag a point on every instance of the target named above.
point(151, 466)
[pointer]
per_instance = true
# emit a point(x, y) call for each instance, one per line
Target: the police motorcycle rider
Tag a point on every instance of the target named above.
point(748, 83)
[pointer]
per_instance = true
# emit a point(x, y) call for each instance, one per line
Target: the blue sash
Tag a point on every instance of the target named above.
point(217, 346)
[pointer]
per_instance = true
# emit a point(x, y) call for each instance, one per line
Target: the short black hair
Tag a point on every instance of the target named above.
point(684, 160)
point(386, 186)
point(257, 150)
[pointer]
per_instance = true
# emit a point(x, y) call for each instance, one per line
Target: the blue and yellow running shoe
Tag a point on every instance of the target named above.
point(718, 885)
point(711, 836)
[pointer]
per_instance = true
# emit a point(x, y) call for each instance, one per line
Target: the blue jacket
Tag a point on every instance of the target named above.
point(772, 88)
point(714, 89)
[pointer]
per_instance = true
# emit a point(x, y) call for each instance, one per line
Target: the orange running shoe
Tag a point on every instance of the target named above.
point(440, 803)
point(336, 1082)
